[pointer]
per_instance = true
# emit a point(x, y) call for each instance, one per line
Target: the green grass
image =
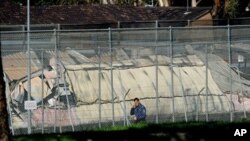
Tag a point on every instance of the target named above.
point(122, 128)
point(192, 130)
point(176, 125)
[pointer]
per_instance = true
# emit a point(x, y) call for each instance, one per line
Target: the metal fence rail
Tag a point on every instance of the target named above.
point(134, 24)
point(82, 79)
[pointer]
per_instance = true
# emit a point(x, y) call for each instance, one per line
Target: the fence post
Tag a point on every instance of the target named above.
point(244, 108)
point(58, 27)
point(230, 70)
point(99, 85)
point(57, 79)
point(23, 28)
point(206, 83)
point(188, 22)
point(172, 75)
point(119, 32)
point(197, 107)
point(183, 95)
point(42, 57)
point(68, 106)
point(29, 65)
point(111, 75)
point(156, 73)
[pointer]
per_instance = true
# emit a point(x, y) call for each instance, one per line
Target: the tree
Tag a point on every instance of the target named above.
point(76, 2)
point(57, 2)
point(4, 128)
point(231, 8)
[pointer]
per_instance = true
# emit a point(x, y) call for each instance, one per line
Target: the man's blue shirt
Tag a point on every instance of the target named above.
point(139, 112)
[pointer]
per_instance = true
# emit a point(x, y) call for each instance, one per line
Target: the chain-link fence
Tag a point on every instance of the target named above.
point(83, 79)
point(131, 24)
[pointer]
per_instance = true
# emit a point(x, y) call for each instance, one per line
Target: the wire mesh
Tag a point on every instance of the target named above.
point(85, 79)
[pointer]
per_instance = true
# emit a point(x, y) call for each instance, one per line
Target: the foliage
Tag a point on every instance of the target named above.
point(231, 8)
point(57, 2)
point(195, 130)
point(76, 2)
point(123, 128)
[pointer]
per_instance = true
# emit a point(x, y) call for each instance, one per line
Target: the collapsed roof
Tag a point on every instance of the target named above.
point(131, 78)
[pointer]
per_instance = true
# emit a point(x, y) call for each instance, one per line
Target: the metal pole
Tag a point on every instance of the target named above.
point(240, 81)
point(42, 57)
point(24, 39)
point(58, 27)
point(111, 76)
point(99, 86)
point(119, 32)
point(187, 10)
point(206, 83)
point(184, 96)
point(156, 73)
point(124, 111)
point(29, 64)
point(172, 75)
point(57, 30)
point(68, 105)
point(124, 107)
point(197, 107)
point(59, 70)
point(230, 70)
point(244, 108)
point(57, 81)
point(23, 28)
